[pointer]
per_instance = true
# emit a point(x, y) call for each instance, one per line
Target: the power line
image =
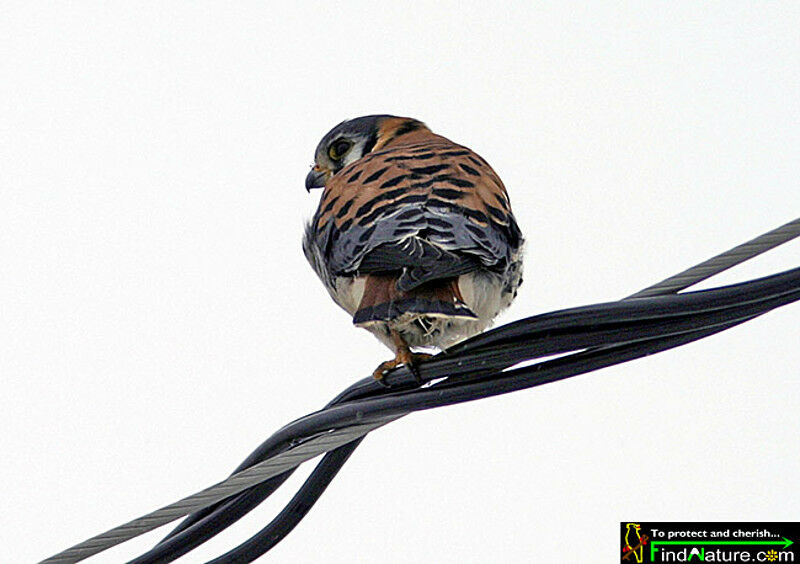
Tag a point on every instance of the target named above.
point(596, 336)
point(723, 261)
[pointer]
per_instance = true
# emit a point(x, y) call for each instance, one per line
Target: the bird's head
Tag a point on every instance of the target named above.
point(352, 139)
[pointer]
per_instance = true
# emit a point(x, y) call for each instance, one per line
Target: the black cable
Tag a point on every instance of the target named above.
point(625, 330)
point(295, 510)
point(262, 541)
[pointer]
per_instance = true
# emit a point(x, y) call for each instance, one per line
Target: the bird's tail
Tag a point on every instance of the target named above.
point(382, 301)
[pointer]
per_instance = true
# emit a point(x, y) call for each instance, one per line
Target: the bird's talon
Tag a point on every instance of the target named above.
point(413, 365)
point(405, 357)
point(383, 368)
point(380, 380)
point(414, 369)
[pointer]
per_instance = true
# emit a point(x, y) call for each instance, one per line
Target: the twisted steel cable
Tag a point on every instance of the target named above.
point(603, 335)
point(723, 261)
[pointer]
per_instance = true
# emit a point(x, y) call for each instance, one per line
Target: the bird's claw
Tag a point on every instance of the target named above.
point(406, 358)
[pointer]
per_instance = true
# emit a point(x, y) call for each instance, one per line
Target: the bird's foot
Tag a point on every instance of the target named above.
point(405, 357)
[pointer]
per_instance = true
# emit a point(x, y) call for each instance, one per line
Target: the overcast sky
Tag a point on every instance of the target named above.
point(158, 319)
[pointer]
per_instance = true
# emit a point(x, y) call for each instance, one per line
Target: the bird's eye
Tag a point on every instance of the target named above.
point(339, 148)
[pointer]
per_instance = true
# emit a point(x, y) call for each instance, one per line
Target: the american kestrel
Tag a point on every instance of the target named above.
point(414, 235)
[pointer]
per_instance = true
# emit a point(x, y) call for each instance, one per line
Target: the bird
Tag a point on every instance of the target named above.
point(633, 542)
point(413, 237)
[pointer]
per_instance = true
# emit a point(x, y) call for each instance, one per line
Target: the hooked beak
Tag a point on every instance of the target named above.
point(316, 178)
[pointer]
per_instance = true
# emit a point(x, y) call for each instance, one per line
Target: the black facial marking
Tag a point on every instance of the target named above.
point(371, 140)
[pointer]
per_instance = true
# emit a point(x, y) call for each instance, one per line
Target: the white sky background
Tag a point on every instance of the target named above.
point(158, 319)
